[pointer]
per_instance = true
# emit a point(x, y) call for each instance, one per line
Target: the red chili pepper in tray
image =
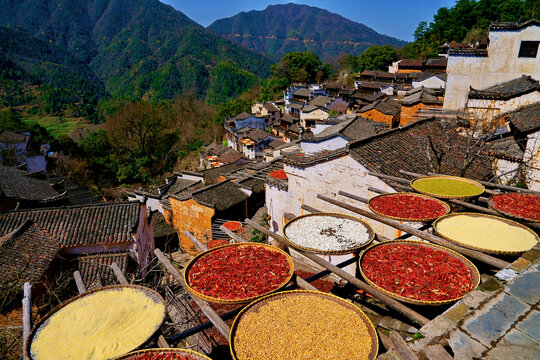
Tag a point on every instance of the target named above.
point(417, 272)
point(408, 206)
point(522, 205)
point(238, 272)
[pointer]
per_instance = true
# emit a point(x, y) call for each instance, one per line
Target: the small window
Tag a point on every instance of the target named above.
point(528, 49)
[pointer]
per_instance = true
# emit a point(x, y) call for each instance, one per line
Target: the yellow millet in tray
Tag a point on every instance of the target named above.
point(101, 325)
point(485, 232)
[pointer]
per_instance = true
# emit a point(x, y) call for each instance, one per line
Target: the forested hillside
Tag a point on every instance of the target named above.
point(280, 29)
point(138, 48)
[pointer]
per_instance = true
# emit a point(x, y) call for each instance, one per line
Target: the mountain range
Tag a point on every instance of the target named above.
point(280, 29)
point(138, 48)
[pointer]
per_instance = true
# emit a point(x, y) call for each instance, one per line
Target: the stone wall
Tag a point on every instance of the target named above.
point(193, 217)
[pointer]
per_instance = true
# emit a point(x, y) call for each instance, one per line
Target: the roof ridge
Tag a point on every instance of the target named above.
point(126, 202)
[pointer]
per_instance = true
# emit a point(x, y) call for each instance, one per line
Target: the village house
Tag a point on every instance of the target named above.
point(22, 190)
point(385, 111)
point(15, 150)
point(511, 53)
point(196, 210)
point(429, 80)
point(406, 66)
point(445, 48)
point(311, 113)
point(268, 110)
point(417, 99)
point(215, 155)
point(490, 102)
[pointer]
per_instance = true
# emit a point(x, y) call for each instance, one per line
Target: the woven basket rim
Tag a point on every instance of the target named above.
point(490, 251)
point(368, 227)
point(369, 325)
point(492, 206)
point(446, 206)
point(196, 355)
point(458, 178)
point(147, 291)
point(474, 271)
point(243, 300)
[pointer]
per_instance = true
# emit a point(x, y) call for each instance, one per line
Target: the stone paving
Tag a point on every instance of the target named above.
point(499, 320)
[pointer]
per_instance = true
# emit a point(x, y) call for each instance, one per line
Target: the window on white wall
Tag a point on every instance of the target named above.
point(528, 49)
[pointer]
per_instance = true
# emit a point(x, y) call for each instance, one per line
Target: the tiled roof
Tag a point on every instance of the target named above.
point(180, 185)
point(257, 134)
point(373, 85)
point(274, 144)
point(526, 119)
point(310, 108)
point(161, 228)
point(242, 116)
point(421, 95)
point(96, 269)
point(293, 105)
point(513, 25)
point(436, 62)
point(302, 92)
point(11, 137)
point(411, 63)
point(320, 100)
point(468, 52)
point(352, 130)
point(221, 196)
point(406, 148)
point(506, 148)
point(507, 90)
point(387, 107)
point(17, 184)
point(230, 156)
point(25, 254)
point(305, 161)
point(270, 107)
point(107, 223)
point(288, 119)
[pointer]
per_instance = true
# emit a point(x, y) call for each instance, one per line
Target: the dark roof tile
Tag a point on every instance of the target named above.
point(507, 90)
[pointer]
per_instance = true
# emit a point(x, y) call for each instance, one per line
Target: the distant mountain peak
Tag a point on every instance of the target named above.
point(282, 28)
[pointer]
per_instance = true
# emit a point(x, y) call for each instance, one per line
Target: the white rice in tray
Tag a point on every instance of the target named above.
point(327, 233)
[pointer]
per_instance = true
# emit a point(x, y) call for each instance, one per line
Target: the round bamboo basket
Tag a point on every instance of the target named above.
point(254, 306)
point(45, 320)
point(291, 243)
point(474, 271)
point(442, 196)
point(445, 205)
point(491, 251)
point(136, 354)
point(242, 300)
point(493, 206)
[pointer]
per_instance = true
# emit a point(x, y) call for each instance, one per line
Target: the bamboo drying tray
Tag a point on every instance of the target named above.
point(445, 205)
point(45, 320)
point(242, 300)
point(443, 196)
point(493, 206)
point(474, 271)
point(368, 228)
point(436, 225)
point(193, 354)
point(254, 306)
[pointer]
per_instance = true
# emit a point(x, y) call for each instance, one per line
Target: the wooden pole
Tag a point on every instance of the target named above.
point(119, 275)
point(26, 315)
point(196, 241)
point(235, 237)
point(490, 260)
point(310, 209)
point(210, 313)
point(79, 282)
point(396, 305)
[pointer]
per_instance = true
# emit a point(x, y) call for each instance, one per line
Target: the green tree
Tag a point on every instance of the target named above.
point(377, 58)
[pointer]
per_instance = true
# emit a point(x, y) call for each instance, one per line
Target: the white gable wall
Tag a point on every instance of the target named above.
point(334, 143)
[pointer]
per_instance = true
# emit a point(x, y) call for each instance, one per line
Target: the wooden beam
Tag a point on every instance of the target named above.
point(81, 288)
point(310, 209)
point(235, 237)
point(436, 352)
point(401, 348)
point(288, 216)
point(303, 284)
point(388, 177)
point(196, 241)
point(394, 304)
point(487, 259)
point(26, 315)
point(119, 275)
point(210, 313)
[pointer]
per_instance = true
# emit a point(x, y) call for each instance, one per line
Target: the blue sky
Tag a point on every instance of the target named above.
point(398, 18)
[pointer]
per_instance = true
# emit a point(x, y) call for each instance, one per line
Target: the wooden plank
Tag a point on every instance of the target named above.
point(26, 314)
point(396, 305)
point(303, 284)
point(119, 275)
point(487, 259)
point(401, 348)
point(288, 216)
point(196, 241)
point(385, 340)
point(310, 209)
point(210, 313)
point(436, 352)
point(81, 288)
point(232, 235)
